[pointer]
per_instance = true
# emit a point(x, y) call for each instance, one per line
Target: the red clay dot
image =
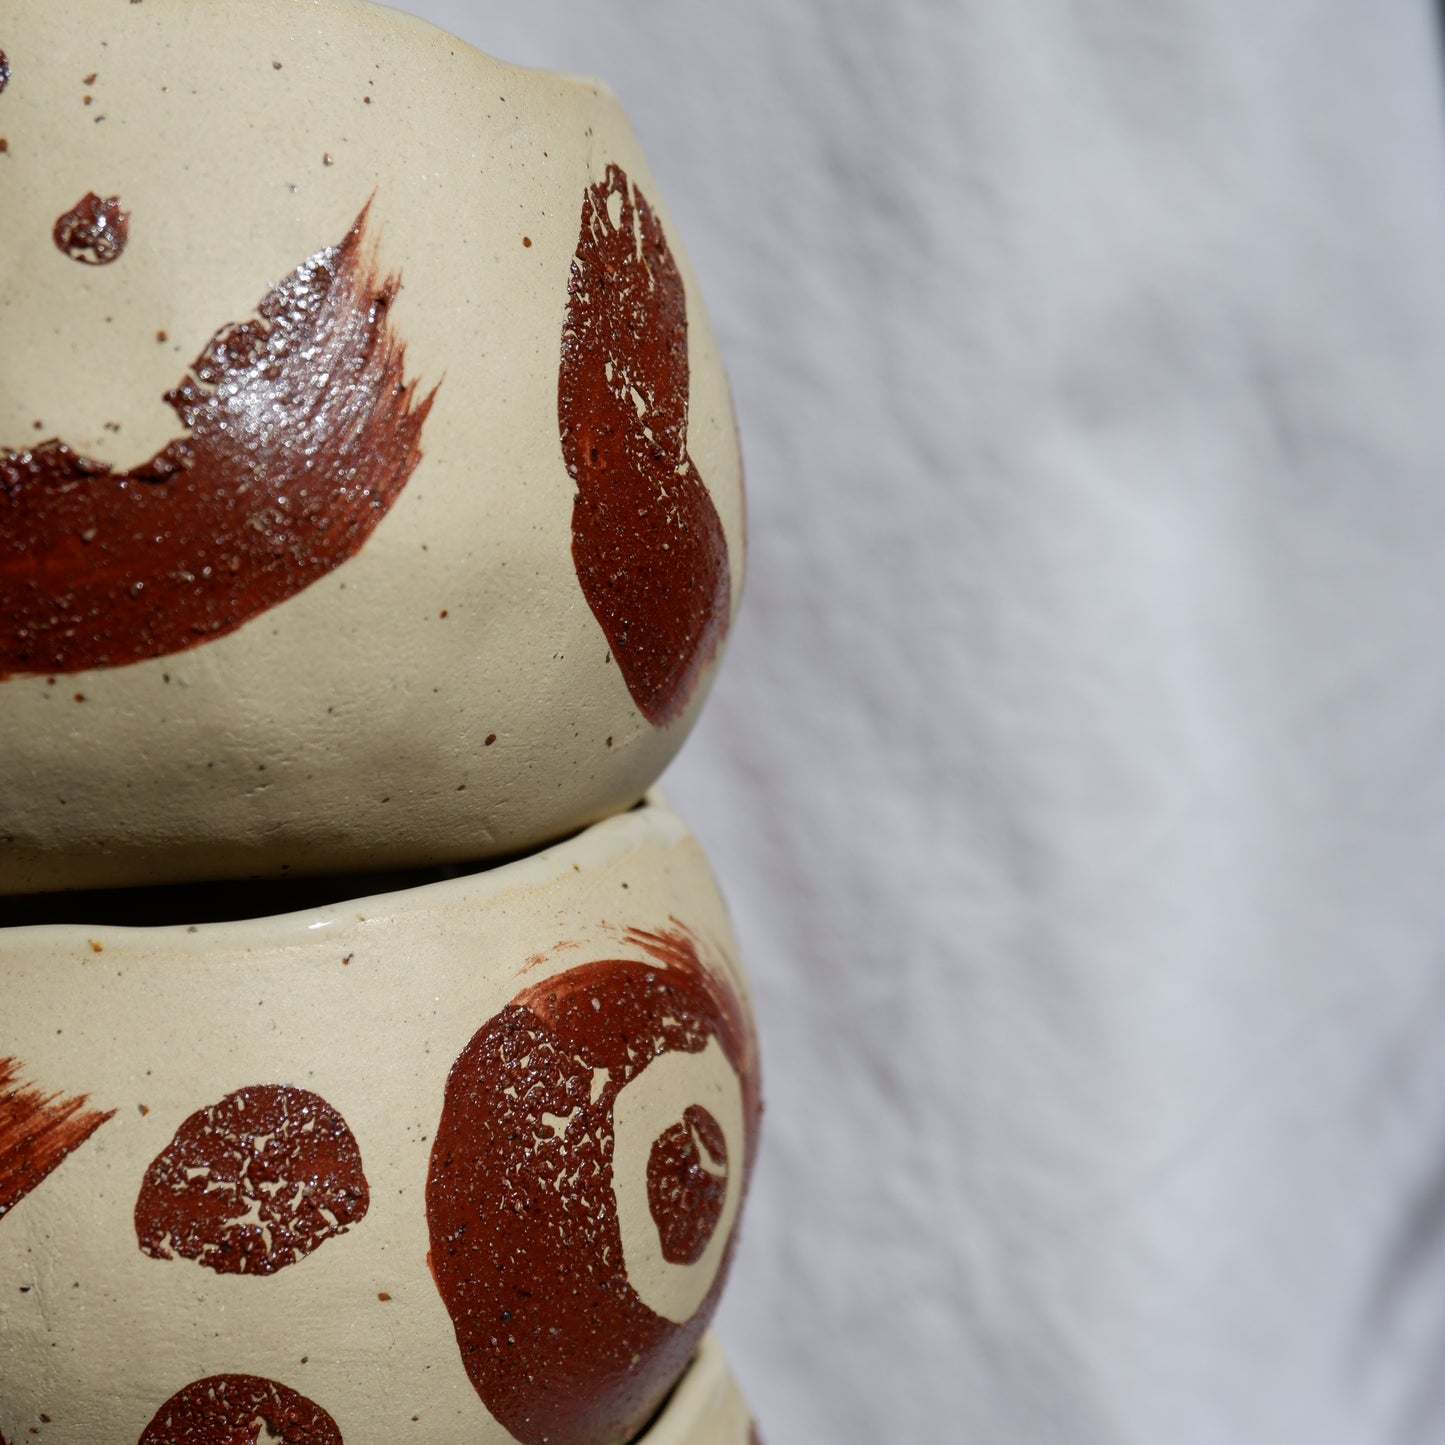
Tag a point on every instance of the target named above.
point(94, 231)
point(279, 1151)
point(687, 1184)
point(80, 697)
point(232, 1407)
point(384, 1297)
point(526, 240)
point(491, 738)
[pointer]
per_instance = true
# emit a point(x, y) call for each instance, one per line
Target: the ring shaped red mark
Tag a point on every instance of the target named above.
point(687, 1185)
point(93, 231)
point(253, 1183)
point(300, 434)
point(240, 1410)
point(526, 1248)
point(37, 1132)
point(647, 543)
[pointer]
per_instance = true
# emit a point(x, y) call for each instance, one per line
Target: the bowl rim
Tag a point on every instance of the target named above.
point(651, 821)
point(411, 25)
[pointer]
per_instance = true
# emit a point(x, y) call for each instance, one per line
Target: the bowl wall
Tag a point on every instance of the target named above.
point(378, 502)
point(465, 1160)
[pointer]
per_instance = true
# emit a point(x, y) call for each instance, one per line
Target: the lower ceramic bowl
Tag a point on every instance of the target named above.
point(706, 1408)
point(458, 1163)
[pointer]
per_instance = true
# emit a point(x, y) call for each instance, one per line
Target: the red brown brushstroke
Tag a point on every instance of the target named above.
point(37, 1132)
point(239, 1410)
point(526, 1248)
point(253, 1183)
point(646, 539)
point(300, 434)
point(687, 1185)
point(94, 231)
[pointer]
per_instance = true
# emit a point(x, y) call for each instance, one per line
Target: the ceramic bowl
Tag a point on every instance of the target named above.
point(369, 488)
point(706, 1408)
point(458, 1164)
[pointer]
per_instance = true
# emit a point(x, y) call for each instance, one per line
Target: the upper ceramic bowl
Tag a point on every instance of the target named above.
point(461, 1163)
point(369, 488)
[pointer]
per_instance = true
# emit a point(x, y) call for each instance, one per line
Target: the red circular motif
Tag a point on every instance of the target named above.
point(94, 231)
point(234, 1409)
point(253, 1183)
point(526, 1248)
point(687, 1185)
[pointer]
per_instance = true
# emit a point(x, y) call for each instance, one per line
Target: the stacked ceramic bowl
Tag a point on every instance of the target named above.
point(375, 1061)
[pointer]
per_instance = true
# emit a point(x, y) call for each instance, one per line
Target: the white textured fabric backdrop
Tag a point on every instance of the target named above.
point(1077, 774)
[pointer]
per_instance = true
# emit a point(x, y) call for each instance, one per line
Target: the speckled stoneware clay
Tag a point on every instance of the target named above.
point(460, 1164)
point(369, 488)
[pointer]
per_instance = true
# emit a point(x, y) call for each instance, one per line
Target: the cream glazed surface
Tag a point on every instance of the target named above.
point(464, 1160)
point(369, 487)
point(707, 1408)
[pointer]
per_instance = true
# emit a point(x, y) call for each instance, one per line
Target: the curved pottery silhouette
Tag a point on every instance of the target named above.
point(369, 488)
point(413, 1156)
